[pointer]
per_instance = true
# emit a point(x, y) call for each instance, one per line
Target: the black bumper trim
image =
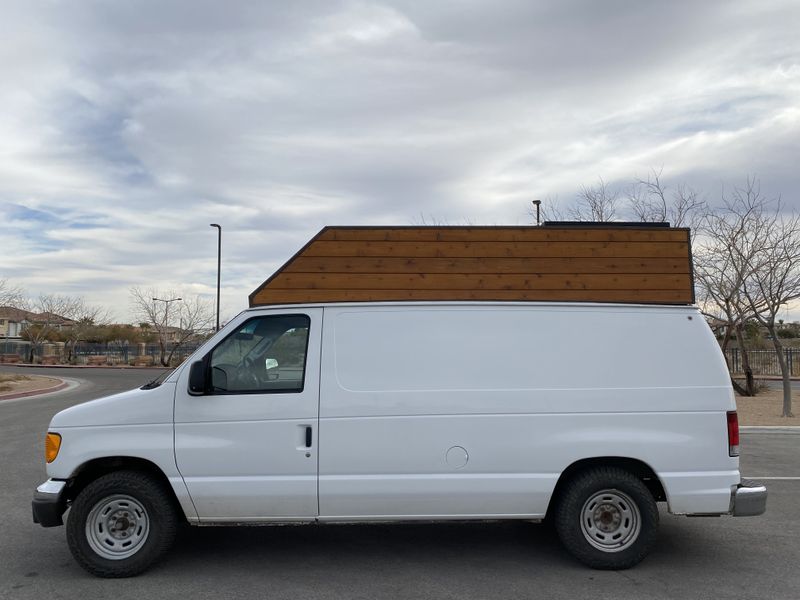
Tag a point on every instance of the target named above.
point(48, 509)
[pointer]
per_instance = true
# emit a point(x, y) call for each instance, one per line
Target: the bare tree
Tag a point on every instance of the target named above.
point(51, 313)
point(732, 248)
point(433, 221)
point(11, 295)
point(173, 325)
point(549, 210)
point(774, 281)
point(595, 203)
point(196, 317)
point(86, 319)
point(650, 200)
point(754, 253)
point(719, 276)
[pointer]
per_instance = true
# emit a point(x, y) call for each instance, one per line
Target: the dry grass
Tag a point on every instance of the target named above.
point(11, 383)
point(765, 409)
point(5, 378)
point(8, 379)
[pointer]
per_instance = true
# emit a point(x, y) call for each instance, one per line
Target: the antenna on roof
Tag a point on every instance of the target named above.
point(537, 203)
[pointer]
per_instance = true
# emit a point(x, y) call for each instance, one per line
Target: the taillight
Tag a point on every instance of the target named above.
point(733, 433)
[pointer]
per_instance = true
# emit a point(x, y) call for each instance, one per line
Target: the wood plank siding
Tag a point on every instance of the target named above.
point(581, 264)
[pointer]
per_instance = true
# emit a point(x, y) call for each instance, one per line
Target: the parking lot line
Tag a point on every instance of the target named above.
point(770, 478)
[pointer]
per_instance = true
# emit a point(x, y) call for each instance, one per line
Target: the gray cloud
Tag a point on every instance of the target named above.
point(131, 126)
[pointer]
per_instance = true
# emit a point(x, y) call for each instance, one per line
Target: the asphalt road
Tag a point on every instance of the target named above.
point(695, 558)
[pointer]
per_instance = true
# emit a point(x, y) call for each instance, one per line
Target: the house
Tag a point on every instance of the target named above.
point(13, 321)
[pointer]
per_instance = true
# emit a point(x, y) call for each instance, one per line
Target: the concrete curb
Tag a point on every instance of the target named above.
point(770, 428)
point(48, 390)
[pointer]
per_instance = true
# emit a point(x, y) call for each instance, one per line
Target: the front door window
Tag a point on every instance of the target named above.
point(265, 355)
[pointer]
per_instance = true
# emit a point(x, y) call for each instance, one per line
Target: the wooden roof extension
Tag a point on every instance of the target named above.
point(600, 263)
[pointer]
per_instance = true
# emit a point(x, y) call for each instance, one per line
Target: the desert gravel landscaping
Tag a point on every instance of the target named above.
point(765, 409)
point(12, 384)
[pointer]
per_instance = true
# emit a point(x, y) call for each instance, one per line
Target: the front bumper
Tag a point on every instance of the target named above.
point(748, 499)
point(49, 503)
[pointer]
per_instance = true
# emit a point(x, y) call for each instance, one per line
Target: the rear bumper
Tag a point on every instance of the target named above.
point(748, 499)
point(49, 503)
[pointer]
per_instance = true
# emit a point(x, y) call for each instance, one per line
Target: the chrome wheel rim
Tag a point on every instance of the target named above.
point(117, 527)
point(610, 521)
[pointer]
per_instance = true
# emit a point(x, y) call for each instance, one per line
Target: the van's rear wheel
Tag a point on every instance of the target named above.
point(120, 524)
point(607, 518)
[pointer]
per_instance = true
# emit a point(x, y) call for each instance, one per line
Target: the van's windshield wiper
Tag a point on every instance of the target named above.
point(157, 381)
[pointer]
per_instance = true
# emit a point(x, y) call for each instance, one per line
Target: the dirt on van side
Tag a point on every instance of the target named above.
point(766, 408)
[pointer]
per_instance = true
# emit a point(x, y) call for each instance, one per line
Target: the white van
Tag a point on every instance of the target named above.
point(586, 414)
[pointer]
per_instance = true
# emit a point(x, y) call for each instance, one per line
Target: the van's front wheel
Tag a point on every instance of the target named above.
point(120, 524)
point(607, 518)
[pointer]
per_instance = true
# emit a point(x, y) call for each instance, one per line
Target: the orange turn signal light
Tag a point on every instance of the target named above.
point(52, 444)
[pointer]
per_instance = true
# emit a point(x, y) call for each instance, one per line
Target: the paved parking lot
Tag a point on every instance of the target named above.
point(696, 558)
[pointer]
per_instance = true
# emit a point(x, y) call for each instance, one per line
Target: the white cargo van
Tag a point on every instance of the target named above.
point(586, 414)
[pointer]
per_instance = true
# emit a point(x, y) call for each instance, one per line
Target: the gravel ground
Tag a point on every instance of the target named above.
point(15, 384)
point(765, 409)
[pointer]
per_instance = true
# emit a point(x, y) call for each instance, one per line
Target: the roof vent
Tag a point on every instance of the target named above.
point(606, 224)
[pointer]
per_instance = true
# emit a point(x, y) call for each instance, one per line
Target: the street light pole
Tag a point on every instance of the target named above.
point(166, 308)
point(219, 263)
point(163, 334)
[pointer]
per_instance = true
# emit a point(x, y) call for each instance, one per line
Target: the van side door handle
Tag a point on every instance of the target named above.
point(308, 436)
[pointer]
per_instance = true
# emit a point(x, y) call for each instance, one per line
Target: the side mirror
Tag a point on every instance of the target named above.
point(197, 378)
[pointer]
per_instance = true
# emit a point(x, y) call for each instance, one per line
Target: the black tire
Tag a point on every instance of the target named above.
point(613, 508)
point(150, 526)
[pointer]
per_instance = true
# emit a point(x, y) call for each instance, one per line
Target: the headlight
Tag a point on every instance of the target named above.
point(52, 444)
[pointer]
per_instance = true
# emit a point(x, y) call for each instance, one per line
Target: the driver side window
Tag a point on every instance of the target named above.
point(265, 355)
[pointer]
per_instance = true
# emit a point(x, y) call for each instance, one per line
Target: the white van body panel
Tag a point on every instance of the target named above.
point(434, 411)
point(243, 457)
point(134, 407)
point(133, 424)
point(526, 391)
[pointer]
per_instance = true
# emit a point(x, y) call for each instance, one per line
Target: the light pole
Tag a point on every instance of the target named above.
point(166, 308)
point(219, 263)
point(163, 333)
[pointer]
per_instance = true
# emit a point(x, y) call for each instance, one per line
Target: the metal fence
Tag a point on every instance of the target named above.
point(88, 353)
point(764, 362)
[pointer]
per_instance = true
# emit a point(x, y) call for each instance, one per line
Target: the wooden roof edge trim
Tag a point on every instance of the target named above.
point(606, 225)
point(639, 302)
point(280, 269)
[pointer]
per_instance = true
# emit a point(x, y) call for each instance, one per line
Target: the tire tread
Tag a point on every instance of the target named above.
point(567, 518)
point(161, 512)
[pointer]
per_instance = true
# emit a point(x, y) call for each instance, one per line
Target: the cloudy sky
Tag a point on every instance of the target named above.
point(127, 127)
